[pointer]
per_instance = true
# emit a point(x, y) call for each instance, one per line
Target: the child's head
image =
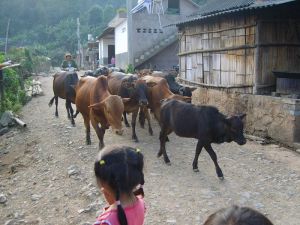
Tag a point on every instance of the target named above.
point(236, 215)
point(120, 169)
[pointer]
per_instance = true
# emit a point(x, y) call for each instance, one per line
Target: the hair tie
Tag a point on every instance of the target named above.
point(138, 150)
point(118, 202)
point(102, 162)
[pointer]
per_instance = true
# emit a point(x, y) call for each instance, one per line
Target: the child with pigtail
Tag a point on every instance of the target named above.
point(120, 177)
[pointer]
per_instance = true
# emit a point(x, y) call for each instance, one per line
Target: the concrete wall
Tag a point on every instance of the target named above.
point(267, 116)
point(164, 60)
point(122, 60)
point(121, 45)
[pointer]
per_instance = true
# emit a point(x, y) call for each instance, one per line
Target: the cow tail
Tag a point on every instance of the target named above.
point(51, 101)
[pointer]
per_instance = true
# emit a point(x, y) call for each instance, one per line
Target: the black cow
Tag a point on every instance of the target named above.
point(129, 86)
point(173, 85)
point(97, 72)
point(63, 87)
point(204, 123)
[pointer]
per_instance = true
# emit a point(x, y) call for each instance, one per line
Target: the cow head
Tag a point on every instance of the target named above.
point(186, 91)
point(235, 129)
point(137, 89)
point(113, 108)
point(141, 91)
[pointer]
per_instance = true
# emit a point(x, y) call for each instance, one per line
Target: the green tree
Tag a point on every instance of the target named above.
point(95, 16)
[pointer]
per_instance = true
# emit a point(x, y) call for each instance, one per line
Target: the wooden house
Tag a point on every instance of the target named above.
point(238, 45)
point(239, 52)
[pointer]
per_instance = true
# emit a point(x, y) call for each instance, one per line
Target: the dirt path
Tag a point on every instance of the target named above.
point(37, 189)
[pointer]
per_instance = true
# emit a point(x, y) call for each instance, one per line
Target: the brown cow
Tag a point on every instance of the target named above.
point(129, 86)
point(97, 105)
point(159, 90)
point(63, 87)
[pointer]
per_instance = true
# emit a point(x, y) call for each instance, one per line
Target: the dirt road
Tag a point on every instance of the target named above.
point(46, 174)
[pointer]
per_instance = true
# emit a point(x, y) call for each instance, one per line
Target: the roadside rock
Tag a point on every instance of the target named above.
point(3, 198)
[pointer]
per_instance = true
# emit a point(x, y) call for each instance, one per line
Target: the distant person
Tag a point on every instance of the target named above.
point(120, 177)
point(69, 63)
point(236, 215)
point(113, 61)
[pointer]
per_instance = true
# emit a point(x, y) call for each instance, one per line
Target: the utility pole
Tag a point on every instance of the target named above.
point(79, 45)
point(6, 39)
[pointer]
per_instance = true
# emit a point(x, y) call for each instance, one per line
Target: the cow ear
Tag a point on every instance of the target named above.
point(125, 100)
point(187, 99)
point(151, 84)
point(242, 116)
point(97, 106)
point(192, 89)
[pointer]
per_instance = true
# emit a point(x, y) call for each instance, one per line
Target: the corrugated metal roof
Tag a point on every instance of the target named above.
point(219, 7)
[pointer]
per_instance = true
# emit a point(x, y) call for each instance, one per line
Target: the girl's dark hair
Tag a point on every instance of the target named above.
point(236, 215)
point(121, 167)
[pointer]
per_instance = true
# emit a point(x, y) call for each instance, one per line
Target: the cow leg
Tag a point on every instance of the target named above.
point(133, 122)
point(213, 156)
point(197, 153)
point(68, 109)
point(125, 120)
point(147, 114)
point(76, 113)
point(162, 151)
point(87, 129)
point(56, 104)
point(99, 131)
point(142, 117)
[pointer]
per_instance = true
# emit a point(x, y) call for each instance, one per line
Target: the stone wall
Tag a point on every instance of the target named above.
point(267, 116)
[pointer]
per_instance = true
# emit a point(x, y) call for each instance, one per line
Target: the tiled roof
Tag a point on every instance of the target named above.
point(217, 7)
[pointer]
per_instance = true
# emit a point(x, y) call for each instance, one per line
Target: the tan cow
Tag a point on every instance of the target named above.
point(97, 105)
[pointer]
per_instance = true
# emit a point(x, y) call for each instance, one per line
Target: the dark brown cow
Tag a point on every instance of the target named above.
point(64, 87)
point(97, 105)
point(159, 90)
point(204, 123)
point(129, 86)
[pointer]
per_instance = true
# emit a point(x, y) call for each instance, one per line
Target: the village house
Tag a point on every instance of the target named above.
point(244, 56)
point(139, 38)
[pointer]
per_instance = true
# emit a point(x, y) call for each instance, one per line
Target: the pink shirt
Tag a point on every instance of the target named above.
point(134, 214)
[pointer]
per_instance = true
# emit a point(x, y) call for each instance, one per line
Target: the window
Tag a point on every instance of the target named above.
point(173, 7)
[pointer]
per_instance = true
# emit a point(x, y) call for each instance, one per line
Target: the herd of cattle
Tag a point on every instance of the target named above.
point(104, 98)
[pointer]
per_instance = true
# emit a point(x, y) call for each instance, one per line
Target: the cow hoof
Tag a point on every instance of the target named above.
point(168, 163)
point(127, 125)
point(159, 155)
point(221, 178)
point(136, 140)
point(151, 132)
point(196, 170)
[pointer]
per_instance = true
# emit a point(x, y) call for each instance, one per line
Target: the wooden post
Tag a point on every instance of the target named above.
point(257, 60)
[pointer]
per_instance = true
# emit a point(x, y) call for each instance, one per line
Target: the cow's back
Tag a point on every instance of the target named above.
point(83, 92)
point(188, 120)
point(64, 85)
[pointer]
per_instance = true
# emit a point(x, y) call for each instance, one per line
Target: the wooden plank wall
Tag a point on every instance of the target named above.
point(279, 43)
point(214, 53)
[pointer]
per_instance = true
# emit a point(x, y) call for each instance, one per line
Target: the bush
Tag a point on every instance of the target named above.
point(129, 69)
point(14, 96)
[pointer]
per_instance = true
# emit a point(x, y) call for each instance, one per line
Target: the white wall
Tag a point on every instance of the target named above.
point(103, 48)
point(121, 45)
